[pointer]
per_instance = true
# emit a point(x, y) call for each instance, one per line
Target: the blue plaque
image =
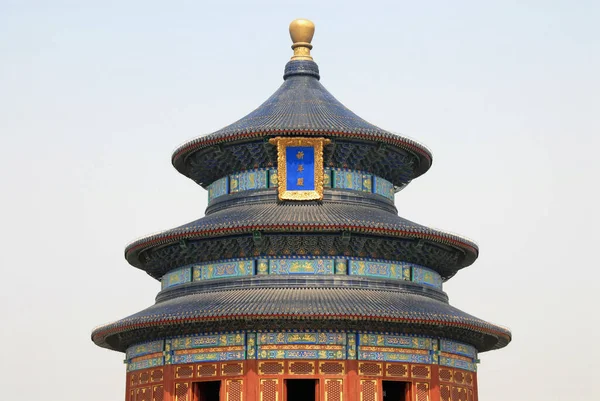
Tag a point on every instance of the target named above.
point(300, 167)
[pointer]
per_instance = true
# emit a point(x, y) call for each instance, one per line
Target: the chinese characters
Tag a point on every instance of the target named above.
point(300, 169)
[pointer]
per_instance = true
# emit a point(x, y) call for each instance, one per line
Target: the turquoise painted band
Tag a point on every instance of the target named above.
point(332, 178)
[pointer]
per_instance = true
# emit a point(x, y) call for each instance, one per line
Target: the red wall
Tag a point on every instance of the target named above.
point(263, 380)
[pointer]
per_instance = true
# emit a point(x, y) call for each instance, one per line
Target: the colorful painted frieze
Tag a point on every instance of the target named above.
point(425, 276)
point(248, 180)
point(213, 355)
point(144, 349)
point(273, 178)
point(208, 341)
point(380, 269)
point(298, 265)
point(251, 345)
point(367, 183)
point(262, 266)
point(145, 363)
point(269, 178)
point(218, 188)
point(302, 338)
point(224, 269)
point(383, 187)
point(351, 345)
point(341, 266)
point(454, 347)
point(301, 266)
point(327, 178)
point(176, 277)
point(302, 345)
point(284, 352)
point(394, 355)
point(347, 179)
point(386, 340)
point(457, 363)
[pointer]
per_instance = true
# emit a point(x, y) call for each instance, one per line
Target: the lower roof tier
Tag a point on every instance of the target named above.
point(344, 223)
point(322, 305)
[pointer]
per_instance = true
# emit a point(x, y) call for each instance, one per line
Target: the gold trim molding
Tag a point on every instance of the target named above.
point(317, 144)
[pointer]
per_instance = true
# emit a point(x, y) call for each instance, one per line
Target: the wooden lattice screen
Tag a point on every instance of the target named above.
point(158, 393)
point(368, 390)
point(235, 389)
point(269, 390)
point(181, 391)
point(334, 390)
point(422, 390)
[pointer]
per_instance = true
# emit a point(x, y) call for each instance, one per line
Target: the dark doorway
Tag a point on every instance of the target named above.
point(301, 389)
point(207, 391)
point(395, 391)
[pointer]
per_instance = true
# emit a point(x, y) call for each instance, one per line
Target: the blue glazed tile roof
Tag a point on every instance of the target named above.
point(305, 303)
point(303, 106)
point(303, 216)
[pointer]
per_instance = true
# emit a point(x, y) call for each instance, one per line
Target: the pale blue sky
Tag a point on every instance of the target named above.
point(95, 95)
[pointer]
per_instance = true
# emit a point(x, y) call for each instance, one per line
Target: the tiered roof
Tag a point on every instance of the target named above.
point(239, 225)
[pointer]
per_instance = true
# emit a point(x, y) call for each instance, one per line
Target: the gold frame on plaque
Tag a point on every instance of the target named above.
point(317, 144)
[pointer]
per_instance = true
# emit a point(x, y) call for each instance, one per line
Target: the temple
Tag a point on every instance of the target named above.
point(301, 282)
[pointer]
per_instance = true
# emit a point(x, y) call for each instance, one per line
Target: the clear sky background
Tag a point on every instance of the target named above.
point(95, 95)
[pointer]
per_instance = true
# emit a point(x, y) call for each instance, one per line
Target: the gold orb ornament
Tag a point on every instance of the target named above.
point(301, 32)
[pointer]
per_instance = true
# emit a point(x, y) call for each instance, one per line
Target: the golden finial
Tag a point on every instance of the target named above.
point(301, 32)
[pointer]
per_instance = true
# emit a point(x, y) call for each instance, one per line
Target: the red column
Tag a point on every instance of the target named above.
point(251, 380)
point(127, 385)
point(475, 389)
point(352, 381)
point(169, 385)
point(434, 387)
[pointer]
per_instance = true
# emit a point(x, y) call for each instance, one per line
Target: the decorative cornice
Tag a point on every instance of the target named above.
point(359, 134)
point(100, 335)
point(175, 235)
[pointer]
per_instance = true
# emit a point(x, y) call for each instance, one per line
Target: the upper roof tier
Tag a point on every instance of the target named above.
point(302, 106)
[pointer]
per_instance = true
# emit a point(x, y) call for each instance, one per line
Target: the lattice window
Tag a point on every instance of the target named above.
point(455, 394)
point(422, 391)
point(235, 390)
point(396, 369)
point(144, 377)
point(131, 395)
point(368, 390)
point(232, 369)
point(158, 393)
point(445, 393)
point(331, 368)
point(183, 372)
point(446, 375)
point(470, 396)
point(270, 368)
point(135, 379)
point(469, 378)
point(181, 391)
point(157, 375)
point(334, 390)
point(301, 368)
point(269, 390)
point(421, 371)
point(370, 369)
point(207, 370)
point(459, 376)
point(144, 394)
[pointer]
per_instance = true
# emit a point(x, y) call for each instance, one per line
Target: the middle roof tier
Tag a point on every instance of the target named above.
point(345, 223)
